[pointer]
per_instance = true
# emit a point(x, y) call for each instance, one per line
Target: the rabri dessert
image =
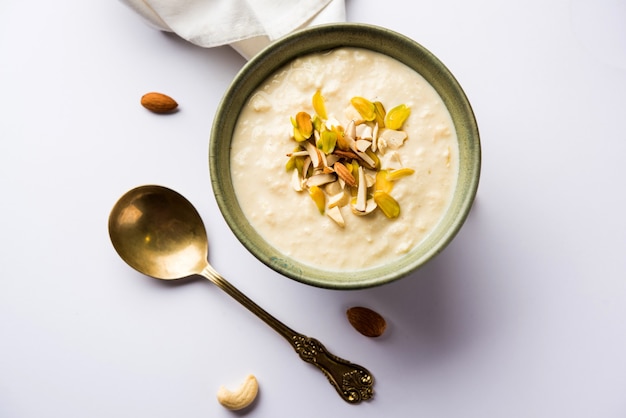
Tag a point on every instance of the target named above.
point(344, 160)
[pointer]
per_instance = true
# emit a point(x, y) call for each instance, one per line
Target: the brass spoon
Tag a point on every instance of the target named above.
point(159, 233)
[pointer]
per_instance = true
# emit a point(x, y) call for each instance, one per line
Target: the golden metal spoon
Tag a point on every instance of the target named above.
point(160, 234)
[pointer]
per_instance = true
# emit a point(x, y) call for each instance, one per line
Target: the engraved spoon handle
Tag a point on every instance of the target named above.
point(354, 383)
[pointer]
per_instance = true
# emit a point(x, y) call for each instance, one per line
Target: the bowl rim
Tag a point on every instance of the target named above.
point(323, 38)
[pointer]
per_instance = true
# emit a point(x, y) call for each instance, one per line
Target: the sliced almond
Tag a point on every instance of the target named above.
point(340, 199)
point(368, 160)
point(298, 154)
point(361, 196)
point(370, 178)
point(346, 154)
point(296, 180)
point(345, 174)
point(364, 131)
point(363, 144)
point(335, 214)
point(322, 157)
point(314, 153)
point(320, 179)
point(334, 188)
point(370, 206)
point(305, 167)
point(375, 138)
point(331, 159)
point(351, 130)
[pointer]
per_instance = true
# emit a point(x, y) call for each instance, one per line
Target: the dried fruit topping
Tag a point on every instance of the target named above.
point(344, 174)
point(394, 175)
point(387, 204)
point(366, 109)
point(383, 183)
point(319, 104)
point(318, 196)
point(334, 213)
point(395, 117)
point(349, 165)
point(366, 321)
point(303, 126)
point(380, 114)
point(327, 141)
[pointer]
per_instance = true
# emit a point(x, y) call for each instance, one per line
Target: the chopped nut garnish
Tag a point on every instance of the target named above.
point(334, 213)
point(318, 197)
point(345, 164)
point(343, 172)
point(387, 204)
point(396, 117)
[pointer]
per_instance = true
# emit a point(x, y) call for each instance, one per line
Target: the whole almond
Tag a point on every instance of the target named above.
point(366, 321)
point(158, 102)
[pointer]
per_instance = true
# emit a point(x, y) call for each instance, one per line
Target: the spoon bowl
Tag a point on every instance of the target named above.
point(159, 233)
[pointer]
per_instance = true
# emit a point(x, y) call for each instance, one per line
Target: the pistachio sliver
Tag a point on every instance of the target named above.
point(394, 175)
point(327, 142)
point(334, 213)
point(342, 142)
point(319, 104)
point(304, 124)
point(318, 196)
point(383, 184)
point(394, 119)
point(387, 204)
point(297, 135)
point(380, 113)
point(366, 109)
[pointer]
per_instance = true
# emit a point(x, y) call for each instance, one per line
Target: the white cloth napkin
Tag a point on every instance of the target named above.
point(246, 25)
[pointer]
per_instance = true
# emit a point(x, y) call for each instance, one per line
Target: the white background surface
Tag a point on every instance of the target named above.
point(523, 315)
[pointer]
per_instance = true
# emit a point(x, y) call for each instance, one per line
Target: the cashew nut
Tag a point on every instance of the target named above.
point(240, 398)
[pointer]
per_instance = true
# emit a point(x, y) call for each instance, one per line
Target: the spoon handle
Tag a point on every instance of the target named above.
point(354, 383)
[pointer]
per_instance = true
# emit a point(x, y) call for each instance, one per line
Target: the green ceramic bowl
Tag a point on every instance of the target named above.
point(322, 38)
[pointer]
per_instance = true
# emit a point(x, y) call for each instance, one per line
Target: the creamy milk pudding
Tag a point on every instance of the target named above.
point(344, 160)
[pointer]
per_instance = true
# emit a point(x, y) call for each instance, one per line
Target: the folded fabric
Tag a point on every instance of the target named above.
point(246, 25)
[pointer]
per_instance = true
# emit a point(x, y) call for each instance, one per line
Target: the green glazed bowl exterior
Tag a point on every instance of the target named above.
point(318, 39)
